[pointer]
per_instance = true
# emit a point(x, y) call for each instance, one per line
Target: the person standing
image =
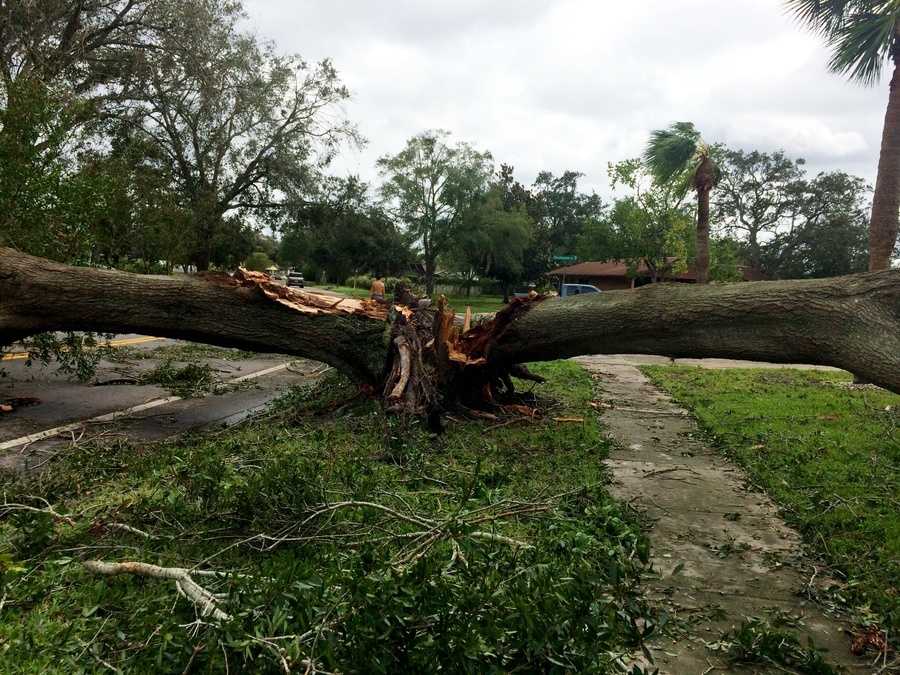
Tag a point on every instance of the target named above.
point(377, 290)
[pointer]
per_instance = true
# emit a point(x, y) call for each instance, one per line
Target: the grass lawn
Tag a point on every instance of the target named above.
point(478, 303)
point(828, 453)
point(337, 535)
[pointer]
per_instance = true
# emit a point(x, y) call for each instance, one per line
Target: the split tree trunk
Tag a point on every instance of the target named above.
point(420, 360)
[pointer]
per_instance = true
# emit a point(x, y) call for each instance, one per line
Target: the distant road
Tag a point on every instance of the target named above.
point(64, 408)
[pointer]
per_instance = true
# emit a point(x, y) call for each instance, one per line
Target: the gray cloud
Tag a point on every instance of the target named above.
point(579, 83)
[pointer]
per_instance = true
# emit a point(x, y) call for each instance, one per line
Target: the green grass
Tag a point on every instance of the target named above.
point(185, 352)
point(828, 453)
point(352, 588)
point(479, 303)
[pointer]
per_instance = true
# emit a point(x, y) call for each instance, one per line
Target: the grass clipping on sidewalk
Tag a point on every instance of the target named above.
point(327, 537)
point(829, 454)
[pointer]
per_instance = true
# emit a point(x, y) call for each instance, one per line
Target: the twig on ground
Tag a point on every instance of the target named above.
point(48, 510)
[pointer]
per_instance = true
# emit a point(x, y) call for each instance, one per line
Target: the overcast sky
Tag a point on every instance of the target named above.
point(575, 84)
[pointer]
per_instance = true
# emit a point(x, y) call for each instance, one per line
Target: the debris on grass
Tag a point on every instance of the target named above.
point(770, 641)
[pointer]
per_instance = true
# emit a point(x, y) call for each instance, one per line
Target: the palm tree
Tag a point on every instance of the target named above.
point(863, 34)
point(679, 155)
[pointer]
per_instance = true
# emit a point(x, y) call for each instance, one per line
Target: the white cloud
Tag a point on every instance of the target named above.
point(579, 83)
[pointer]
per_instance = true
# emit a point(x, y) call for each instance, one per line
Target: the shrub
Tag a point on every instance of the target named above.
point(359, 281)
point(258, 262)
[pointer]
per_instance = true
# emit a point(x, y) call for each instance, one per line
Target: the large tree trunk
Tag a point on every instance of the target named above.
point(421, 361)
point(886, 201)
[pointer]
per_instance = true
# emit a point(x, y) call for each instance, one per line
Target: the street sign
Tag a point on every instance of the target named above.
point(565, 258)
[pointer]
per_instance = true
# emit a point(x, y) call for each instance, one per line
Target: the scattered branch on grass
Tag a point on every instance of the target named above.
point(418, 542)
point(206, 601)
point(8, 507)
point(122, 527)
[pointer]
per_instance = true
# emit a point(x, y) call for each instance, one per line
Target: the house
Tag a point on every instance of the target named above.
point(612, 275)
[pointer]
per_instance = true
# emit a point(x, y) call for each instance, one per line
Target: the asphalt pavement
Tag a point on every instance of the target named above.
point(49, 403)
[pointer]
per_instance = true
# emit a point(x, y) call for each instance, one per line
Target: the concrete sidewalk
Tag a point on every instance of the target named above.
point(720, 550)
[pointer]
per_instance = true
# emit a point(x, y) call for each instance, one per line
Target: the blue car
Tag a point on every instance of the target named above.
point(567, 290)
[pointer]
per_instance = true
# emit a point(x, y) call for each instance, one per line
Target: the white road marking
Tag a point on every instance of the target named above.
point(109, 417)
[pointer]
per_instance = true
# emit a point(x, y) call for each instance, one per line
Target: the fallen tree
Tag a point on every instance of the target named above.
point(420, 360)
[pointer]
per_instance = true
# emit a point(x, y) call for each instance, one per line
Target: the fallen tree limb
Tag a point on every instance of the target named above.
point(850, 322)
point(206, 601)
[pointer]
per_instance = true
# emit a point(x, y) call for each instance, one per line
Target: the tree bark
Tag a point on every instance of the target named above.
point(850, 322)
point(886, 201)
point(38, 295)
point(704, 180)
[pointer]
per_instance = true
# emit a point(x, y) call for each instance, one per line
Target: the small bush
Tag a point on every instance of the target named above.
point(359, 281)
point(258, 262)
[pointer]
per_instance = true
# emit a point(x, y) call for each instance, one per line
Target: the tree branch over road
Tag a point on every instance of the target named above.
point(850, 322)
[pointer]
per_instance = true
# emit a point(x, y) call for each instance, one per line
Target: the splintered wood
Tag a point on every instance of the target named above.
point(436, 363)
point(306, 302)
point(432, 361)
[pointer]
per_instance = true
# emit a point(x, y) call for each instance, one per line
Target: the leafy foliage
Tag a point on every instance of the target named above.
point(493, 241)
point(258, 261)
point(829, 230)
point(341, 232)
point(770, 642)
point(330, 590)
point(430, 186)
point(75, 354)
point(188, 381)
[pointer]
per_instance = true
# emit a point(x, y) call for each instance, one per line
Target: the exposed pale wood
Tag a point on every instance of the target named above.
point(405, 368)
point(205, 601)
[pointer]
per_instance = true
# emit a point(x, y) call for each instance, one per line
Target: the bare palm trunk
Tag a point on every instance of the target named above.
point(703, 234)
point(886, 202)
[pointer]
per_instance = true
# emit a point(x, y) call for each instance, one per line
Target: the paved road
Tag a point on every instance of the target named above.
point(61, 401)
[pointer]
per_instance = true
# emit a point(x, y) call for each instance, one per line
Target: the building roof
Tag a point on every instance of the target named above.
point(613, 268)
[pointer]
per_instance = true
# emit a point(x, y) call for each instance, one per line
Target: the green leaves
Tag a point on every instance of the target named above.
point(673, 151)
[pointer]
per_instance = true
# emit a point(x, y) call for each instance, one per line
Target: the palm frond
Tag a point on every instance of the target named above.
point(823, 16)
point(860, 32)
point(671, 151)
point(862, 45)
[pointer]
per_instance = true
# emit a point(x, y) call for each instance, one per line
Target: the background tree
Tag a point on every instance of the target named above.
point(492, 242)
point(759, 194)
point(863, 34)
point(63, 65)
point(829, 234)
point(649, 225)
point(563, 209)
point(679, 154)
point(340, 232)
point(430, 185)
point(258, 261)
point(242, 128)
point(538, 256)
